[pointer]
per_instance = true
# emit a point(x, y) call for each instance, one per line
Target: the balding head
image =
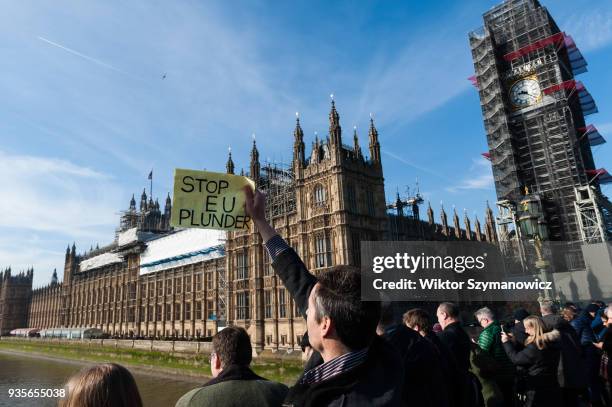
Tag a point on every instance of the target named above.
point(447, 313)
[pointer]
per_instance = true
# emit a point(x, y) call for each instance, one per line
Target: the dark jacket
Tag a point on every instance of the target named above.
point(599, 335)
point(450, 368)
point(597, 323)
point(582, 325)
point(519, 334)
point(426, 380)
point(572, 371)
point(540, 381)
point(458, 342)
point(234, 385)
point(467, 389)
point(369, 384)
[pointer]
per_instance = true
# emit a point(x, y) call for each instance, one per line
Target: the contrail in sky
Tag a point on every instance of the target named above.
point(95, 61)
point(418, 167)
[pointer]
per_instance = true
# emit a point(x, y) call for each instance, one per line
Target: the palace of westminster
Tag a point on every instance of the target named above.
point(155, 281)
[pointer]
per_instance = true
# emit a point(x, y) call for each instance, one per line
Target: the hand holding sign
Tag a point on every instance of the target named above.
point(255, 204)
point(209, 200)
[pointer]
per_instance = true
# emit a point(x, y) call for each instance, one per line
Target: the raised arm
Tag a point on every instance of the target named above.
point(285, 261)
point(525, 357)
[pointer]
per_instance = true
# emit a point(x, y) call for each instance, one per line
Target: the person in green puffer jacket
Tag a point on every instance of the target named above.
point(490, 342)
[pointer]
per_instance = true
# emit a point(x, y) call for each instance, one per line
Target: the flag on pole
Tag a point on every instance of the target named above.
point(151, 175)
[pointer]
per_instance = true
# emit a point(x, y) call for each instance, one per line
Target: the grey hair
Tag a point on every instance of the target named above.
point(484, 312)
point(548, 307)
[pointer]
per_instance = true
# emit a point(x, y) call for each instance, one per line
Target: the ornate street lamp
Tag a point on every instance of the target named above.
point(534, 228)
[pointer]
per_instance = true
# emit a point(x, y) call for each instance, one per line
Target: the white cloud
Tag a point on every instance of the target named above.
point(484, 181)
point(51, 195)
point(217, 80)
point(22, 251)
point(591, 30)
point(403, 85)
point(479, 177)
point(22, 164)
point(48, 203)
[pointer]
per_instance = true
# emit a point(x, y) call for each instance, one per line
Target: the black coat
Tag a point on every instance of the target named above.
point(519, 334)
point(376, 382)
point(458, 342)
point(539, 383)
point(572, 370)
point(454, 376)
point(426, 380)
point(369, 384)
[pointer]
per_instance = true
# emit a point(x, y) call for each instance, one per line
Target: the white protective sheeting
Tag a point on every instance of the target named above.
point(100, 260)
point(127, 237)
point(186, 246)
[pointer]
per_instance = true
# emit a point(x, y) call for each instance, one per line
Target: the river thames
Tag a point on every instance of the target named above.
point(24, 372)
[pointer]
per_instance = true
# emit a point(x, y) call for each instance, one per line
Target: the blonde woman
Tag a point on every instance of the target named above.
point(105, 385)
point(539, 359)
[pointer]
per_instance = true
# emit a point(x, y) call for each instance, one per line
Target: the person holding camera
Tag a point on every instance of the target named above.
point(540, 360)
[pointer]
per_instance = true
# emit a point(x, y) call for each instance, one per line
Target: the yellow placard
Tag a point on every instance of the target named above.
point(209, 200)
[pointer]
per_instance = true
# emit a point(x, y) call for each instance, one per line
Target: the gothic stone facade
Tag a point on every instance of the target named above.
point(15, 294)
point(172, 302)
point(328, 203)
point(46, 306)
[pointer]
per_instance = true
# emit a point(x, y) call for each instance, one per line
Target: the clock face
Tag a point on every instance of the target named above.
point(525, 92)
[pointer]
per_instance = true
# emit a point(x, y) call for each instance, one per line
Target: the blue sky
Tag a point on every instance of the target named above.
point(85, 113)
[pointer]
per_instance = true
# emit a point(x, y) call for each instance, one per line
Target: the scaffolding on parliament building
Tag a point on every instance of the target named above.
point(404, 216)
point(278, 183)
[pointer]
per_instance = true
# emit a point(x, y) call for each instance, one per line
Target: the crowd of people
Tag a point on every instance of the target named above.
point(359, 353)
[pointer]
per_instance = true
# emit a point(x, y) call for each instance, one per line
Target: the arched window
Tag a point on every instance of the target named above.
point(243, 265)
point(320, 195)
point(242, 307)
point(322, 251)
point(351, 199)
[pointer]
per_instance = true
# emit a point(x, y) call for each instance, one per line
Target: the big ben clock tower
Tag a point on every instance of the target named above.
point(534, 113)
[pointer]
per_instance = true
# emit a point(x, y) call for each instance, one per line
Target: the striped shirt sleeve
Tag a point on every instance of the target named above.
point(275, 246)
point(334, 367)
